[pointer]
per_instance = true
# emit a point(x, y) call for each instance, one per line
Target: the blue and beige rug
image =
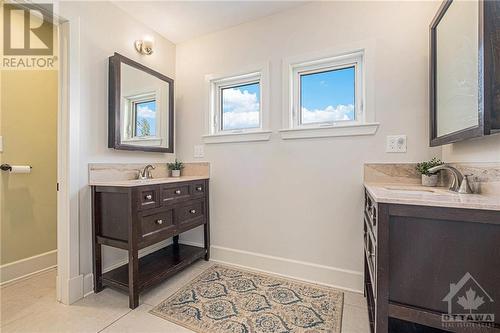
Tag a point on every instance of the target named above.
point(226, 299)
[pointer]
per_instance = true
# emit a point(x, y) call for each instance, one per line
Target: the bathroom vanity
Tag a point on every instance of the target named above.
point(134, 214)
point(423, 247)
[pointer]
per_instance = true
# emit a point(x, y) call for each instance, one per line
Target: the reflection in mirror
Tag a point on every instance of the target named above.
point(457, 79)
point(141, 107)
point(145, 102)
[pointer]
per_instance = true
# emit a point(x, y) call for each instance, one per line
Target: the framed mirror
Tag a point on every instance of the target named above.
point(464, 88)
point(141, 107)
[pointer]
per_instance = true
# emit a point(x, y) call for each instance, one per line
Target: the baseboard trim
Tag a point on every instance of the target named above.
point(88, 279)
point(335, 277)
point(24, 268)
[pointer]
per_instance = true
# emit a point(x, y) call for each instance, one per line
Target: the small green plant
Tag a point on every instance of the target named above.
point(424, 167)
point(176, 165)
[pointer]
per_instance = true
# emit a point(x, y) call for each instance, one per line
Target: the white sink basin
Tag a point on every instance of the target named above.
point(410, 190)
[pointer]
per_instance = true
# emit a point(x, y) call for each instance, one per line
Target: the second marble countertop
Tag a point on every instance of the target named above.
point(430, 196)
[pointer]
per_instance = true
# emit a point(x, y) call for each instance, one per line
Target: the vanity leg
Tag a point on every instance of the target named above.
point(96, 248)
point(175, 245)
point(206, 226)
point(206, 230)
point(97, 268)
point(133, 273)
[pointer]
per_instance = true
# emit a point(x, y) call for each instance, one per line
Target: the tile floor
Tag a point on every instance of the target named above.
point(29, 306)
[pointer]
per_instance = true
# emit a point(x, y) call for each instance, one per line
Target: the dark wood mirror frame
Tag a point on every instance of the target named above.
point(489, 81)
point(114, 96)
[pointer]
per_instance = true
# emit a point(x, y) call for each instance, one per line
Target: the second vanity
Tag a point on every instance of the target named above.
point(134, 214)
point(424, 249)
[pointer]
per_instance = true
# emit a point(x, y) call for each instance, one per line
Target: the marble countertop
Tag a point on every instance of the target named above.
point(143, 182)
point(413, 194)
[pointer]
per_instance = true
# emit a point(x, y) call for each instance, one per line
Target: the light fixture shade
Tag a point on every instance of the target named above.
point(144, 46)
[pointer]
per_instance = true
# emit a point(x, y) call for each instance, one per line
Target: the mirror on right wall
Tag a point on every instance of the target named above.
point(464, 73)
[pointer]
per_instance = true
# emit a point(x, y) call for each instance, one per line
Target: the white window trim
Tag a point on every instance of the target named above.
point(215, 83)
point(341, 57)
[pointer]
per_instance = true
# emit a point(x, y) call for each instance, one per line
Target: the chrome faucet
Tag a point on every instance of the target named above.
point(146, 172)
point(459, 183)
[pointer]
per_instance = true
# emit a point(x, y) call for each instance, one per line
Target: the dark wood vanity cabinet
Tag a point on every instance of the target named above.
point(132, 218)
point(419, 257)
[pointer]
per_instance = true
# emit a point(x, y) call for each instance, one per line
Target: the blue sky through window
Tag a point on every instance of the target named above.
point(145, 124)
point(328, 96)
point(241, 107)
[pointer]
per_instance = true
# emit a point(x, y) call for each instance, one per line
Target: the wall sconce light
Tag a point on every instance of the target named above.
point(144, 46)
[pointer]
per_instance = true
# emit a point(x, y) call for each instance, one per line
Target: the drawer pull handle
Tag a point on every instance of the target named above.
point(159, 221)
point(199, 188)
point(149, 197)
point(193, 211)
point(177, 191)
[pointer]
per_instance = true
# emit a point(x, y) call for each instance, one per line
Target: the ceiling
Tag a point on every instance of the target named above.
point(179, 21)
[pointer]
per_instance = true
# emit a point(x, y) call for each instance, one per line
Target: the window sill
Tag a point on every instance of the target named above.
point(238, 137)
point(330, 131)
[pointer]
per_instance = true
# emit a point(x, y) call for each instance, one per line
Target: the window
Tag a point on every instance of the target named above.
point(238, 108)
point(325, 94)
point(144, 118)
point(328, 92)
point(141, 120)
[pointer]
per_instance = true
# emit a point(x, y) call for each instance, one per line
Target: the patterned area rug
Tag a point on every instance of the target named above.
point(227, 299)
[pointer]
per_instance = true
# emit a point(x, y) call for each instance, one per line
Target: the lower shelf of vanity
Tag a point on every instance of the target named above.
point(155, 267)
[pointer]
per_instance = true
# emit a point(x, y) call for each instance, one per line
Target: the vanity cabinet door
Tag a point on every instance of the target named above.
point(190, 214)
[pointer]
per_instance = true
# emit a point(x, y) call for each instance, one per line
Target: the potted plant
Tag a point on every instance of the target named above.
point(175, 168)
point(429, 179)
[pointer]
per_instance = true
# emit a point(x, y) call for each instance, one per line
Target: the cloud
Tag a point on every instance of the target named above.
point(241, 109)
point(145, 112)
point(330, 113)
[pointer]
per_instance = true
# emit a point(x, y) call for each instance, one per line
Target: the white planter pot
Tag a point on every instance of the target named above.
point(431, 180)
point(176, 173)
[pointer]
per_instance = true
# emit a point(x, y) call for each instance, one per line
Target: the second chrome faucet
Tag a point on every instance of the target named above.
point(459, 183)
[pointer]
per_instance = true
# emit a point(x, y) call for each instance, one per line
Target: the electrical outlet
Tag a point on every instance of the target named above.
point(396, 144)
point(199, 151)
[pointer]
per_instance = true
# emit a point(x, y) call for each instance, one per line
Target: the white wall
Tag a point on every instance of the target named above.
point(105, 29)
point(302, 200)
point(485, 149)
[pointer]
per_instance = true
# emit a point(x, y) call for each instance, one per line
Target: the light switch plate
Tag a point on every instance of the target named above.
point(396, 144)
point(199, 151)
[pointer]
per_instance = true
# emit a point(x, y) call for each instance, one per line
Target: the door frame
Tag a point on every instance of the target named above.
point(69, 281)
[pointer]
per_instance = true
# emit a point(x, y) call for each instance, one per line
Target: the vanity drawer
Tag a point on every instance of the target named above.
point(190, 214)
point(148, 197)
point(175, 192)
point(158, 221)
point(198, 189)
